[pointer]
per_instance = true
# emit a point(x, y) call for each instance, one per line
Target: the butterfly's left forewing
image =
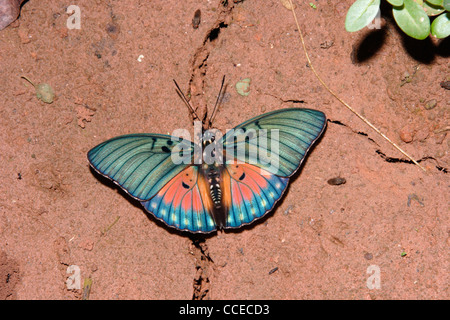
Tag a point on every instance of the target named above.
point(140, 163)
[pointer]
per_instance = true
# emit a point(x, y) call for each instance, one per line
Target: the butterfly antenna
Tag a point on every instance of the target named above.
point(186, 102)
point(217, 103)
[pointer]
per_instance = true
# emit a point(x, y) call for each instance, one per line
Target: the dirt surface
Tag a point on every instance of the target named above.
point(114, 76)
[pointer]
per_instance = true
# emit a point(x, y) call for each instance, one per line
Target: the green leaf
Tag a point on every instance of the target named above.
point(360, 14)
point(397, 3)
point(440, 28)
point(432, 9)
point(412, 19)
point(437, 3)
point(446, 5)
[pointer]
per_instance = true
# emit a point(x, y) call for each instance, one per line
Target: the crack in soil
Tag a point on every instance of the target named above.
point(204, 266)
point(283, 100)
point(383, 155)
point(199, 63)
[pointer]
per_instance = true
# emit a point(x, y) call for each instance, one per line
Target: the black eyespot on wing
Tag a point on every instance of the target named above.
point(169, 142)
point(165, 149)
point(184, 185)
point(242, 177)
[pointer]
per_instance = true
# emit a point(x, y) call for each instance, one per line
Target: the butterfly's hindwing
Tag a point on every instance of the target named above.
point(184, 202)
point(251, 193)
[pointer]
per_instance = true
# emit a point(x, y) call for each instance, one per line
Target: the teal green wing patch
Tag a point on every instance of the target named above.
point(276, 141)
point(141, 163)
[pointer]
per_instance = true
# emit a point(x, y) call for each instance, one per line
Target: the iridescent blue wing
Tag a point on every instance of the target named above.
point(140, 163)
point(276, 141)
point(262, 153)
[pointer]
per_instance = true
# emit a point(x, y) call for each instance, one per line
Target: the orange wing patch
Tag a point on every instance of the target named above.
point(252, 178)
point(184, 202)
point(253, 193)
point(186, 179)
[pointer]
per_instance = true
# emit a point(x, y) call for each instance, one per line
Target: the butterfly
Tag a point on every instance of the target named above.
point(223, 181)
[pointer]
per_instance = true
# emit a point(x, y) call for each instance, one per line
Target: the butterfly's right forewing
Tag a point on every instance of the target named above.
point(279, 139)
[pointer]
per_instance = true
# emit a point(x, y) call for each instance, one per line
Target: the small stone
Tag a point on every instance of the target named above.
point(113, 30)
point(45, 92)
point(368, 256)
point(243, 87)
point(197, 19)
point(326, 44)
point(336, 181)
point(406, 134)
point(430, 104)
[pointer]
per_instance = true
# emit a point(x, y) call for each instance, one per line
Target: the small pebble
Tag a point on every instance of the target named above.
point(336, 181)
point(113, 30)
point(430, 104)
point(243, 87)
point(327, 44)
point(368, 256)
point(197, 19)
point(406, 134)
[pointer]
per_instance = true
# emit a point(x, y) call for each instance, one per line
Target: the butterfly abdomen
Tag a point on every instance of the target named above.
point(213, 176)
